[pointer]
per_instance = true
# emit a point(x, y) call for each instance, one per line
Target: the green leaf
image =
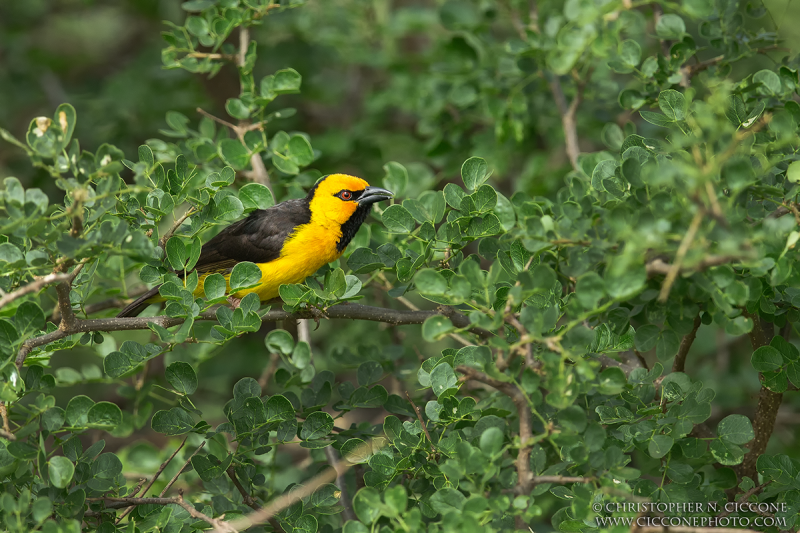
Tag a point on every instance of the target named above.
point(286, 81)
point(736, 429)
point(430, 282)
point(256, 196)
point(491, 441)
point(589, 289)
point(227, 208)
point(443, 378)
point(104, 415)
point(673, 104)
point(316, 426)
point(77, 411)
point(234, 153)
point(176, 421)
point(367, 505)
point(369, 372)
point(474, 172)
point(767, 359)
point(769, 80)
point(397, 219)
point(214, 286)
point(659, 446)
point(300, 151)
point(60, 469)
point(436, 327)
point(646, 337)
point(670, 26)
point(280, 341)
point(176, 253)
point(182, 377)
point(396, 178)
point(237, 109)
point(245, 275)
point(29, 318)
point(726, 453)
point(630, 52)
point(448, 500)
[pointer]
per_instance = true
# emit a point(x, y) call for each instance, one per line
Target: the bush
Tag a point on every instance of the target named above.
point(558, 290)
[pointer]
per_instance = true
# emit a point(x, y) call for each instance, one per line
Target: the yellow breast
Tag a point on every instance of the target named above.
point(310, 247)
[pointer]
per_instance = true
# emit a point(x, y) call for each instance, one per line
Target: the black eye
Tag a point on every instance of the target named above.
point(345, 195)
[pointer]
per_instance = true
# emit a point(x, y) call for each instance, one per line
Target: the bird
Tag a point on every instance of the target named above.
point(288, 241)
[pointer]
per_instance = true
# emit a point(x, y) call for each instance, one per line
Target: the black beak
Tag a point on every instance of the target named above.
point(372, 195)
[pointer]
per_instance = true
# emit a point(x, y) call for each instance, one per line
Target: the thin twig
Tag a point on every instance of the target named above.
point(246, 498)
point(34, 286)
point(155, 477)
point(162, 242)
point(216, 119)
point(686, 344)
point(179, 472)
point(421, 422)
point(746, 496)
point(341, 484)
point(686, 243)
point(269, 371)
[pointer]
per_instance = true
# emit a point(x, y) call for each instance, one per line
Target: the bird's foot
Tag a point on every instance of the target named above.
point(234, 301)
point(316, 313)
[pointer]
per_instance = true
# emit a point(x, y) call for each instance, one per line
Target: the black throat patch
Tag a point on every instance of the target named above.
point(350, 228)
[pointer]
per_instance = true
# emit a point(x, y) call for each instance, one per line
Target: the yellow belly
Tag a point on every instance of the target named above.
point(309, 248)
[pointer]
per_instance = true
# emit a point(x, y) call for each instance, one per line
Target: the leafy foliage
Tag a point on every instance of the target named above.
point(542, 281)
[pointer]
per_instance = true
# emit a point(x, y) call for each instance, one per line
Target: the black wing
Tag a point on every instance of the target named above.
point(258, 238)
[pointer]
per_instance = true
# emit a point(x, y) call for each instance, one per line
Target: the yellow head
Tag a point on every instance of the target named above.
point(339, 198)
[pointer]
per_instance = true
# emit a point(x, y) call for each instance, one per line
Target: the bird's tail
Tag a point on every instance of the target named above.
point(139, 305)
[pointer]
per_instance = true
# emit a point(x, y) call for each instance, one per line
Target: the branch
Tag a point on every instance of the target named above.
point(162, 242)
point(34, 286)
point(179, 472)
point(766, 412)
point(219, 525)
point(302, 491)
point(745, 497)
point(568, 118)
point(6, 431)
point(539, 480)
point(422, 423)
point(246, 498)
point(658, 267)
point(155, 477)
point(675, 268)
point(395, 317)
point(341, 484)
point(524, 476)
point(686, 344)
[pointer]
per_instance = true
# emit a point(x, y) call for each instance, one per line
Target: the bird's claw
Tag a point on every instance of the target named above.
point(234, 301)
point(316, 314)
